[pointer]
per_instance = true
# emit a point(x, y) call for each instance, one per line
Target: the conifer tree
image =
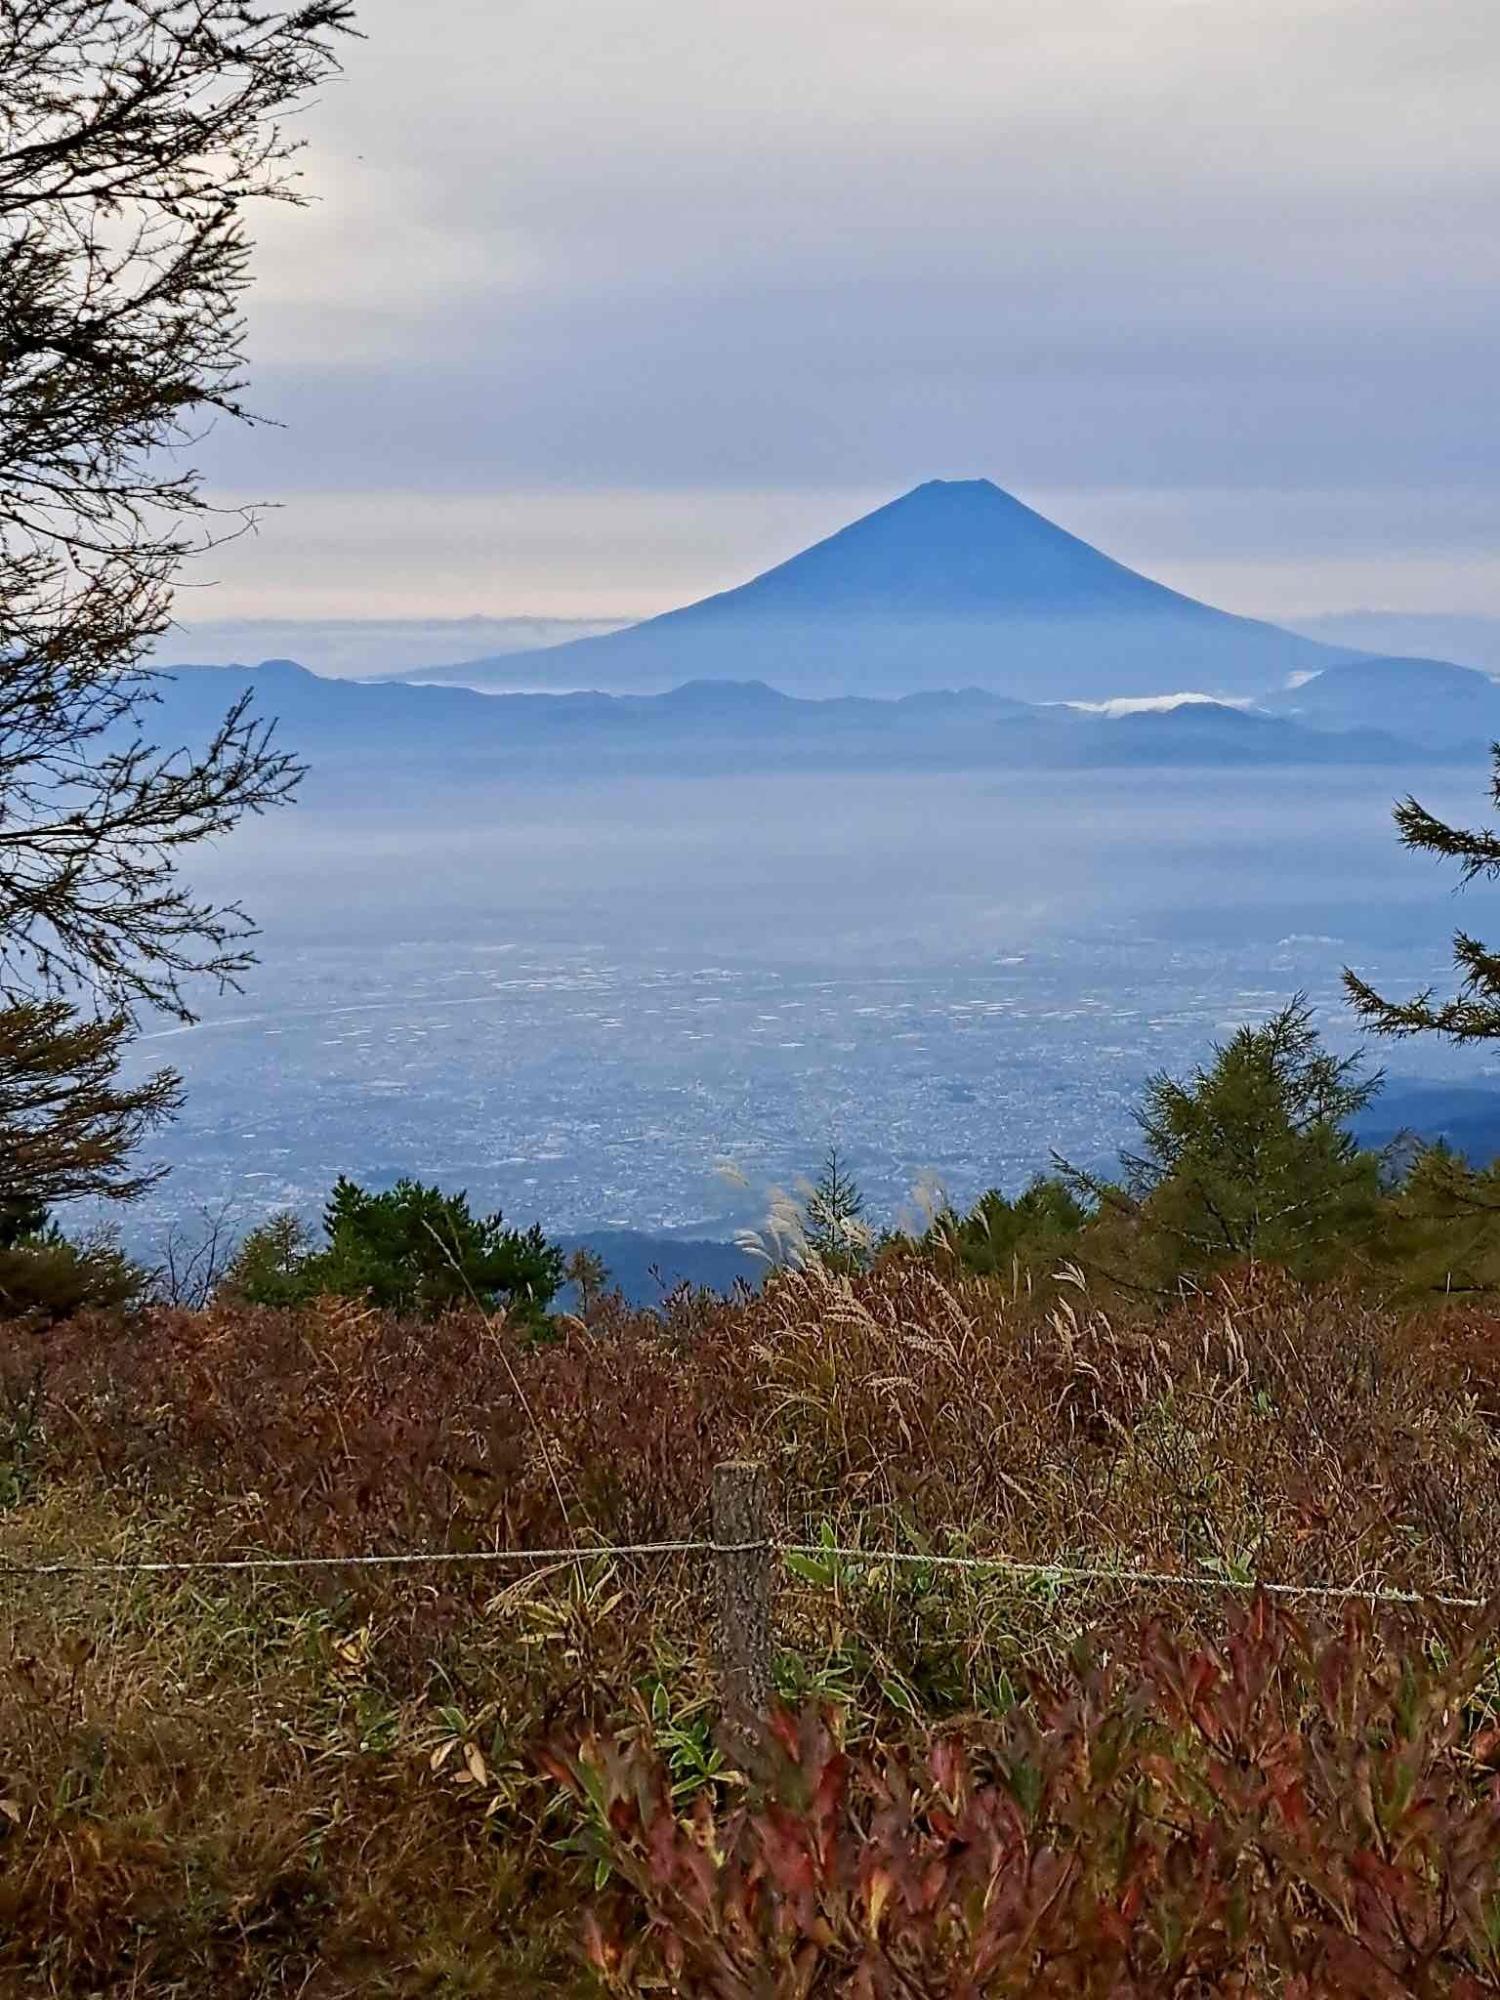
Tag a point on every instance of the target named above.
point(1440, 1230)
point(1249, 1159)
point(1473, 1012)
point(411, 1248)
point(134, 137)
point(68, 1124)
point(833, 1217)
point(588, 1274)
point(1025, 1235)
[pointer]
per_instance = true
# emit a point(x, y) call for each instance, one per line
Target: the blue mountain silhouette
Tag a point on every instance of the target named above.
point(374, 732)
point(1429, 702)
point(957, 583)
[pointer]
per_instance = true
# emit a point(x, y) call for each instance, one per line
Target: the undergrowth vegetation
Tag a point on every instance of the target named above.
point(364, 1780)
point(1273, 1814)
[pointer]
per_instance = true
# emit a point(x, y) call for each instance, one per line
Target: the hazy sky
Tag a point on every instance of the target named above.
point(609, 302)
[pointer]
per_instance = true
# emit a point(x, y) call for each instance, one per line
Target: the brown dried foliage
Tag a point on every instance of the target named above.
point(329, 1782)
point(1276, 1814)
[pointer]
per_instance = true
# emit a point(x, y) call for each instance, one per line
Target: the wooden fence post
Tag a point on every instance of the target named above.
point(743, 1562)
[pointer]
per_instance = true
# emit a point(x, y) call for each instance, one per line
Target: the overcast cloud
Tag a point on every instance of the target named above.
point(608, 302)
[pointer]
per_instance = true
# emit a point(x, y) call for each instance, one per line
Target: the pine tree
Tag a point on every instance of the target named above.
point(1473, 1013)
point(1014, 1237)
point(833, 1222)
point(1440, 1230)
point(588, 1274)
point(1249, 1159)
point(68, 1125)
point(410, 1248)
point(134, 137)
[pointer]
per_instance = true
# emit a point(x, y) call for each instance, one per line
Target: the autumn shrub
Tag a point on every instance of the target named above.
point(1287, 1811)
point(217, 1793)
point(338, 1427)
point(1256, 1428)
point(331, 1780)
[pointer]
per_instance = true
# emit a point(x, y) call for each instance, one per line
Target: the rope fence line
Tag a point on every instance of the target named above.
point(745, 1550)
point(1046, 1572)
point(1053, 1572)
point(414, 1559)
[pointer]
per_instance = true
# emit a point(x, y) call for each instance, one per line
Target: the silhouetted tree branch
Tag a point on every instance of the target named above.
point(1473, 1013)
point(134, 135)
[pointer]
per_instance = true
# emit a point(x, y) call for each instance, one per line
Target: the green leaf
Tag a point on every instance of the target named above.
point(899, 1695)
point(812, 1569)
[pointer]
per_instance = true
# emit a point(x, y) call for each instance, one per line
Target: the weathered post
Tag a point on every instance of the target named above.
point(743, 1561)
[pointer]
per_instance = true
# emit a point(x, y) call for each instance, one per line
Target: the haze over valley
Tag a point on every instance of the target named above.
point(577, 1000)
point(934, 842)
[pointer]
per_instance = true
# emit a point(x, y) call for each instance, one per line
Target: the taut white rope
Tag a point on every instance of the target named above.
point(1047, 1572)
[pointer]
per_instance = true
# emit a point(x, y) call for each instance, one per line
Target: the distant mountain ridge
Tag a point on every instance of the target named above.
point(1427, 702)
point(647, 1269)
point(1463, 1116)
point(704, 727)
point(956, 583)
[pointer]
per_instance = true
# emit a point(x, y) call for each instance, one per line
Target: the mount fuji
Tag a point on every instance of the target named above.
point(955, 584)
